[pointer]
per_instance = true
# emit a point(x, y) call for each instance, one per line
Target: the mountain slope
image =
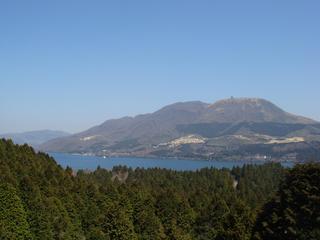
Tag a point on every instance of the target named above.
point(34, 138)
point(250, 110)
point(222, 123)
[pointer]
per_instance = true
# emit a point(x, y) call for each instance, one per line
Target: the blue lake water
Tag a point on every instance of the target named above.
point(92, 162)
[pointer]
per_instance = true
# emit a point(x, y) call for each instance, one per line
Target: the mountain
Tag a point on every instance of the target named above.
point(194, 129)
point(34, 138)
point(249, 110)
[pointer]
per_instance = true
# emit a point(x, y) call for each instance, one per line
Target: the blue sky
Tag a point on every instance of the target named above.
point(69, 65)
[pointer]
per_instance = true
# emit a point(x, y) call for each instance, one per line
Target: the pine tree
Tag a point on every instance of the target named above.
point(13, 218)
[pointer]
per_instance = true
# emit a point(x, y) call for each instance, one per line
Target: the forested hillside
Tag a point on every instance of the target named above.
point(41, 200)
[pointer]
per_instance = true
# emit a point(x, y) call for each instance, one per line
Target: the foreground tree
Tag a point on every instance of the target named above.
point(295, 211)
point(13, 218)
point(42, 201)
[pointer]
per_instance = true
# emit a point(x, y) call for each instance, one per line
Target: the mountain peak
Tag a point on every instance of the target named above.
point(241, 100)
point(142, 132)
point(250, 110)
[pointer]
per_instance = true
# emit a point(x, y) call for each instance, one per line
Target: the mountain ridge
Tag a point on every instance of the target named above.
point(143, 134)
point(34, 138)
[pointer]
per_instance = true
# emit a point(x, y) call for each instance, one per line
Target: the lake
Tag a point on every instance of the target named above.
point(92, 162)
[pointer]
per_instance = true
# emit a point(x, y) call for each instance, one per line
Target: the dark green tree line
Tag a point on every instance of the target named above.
point(41, 200)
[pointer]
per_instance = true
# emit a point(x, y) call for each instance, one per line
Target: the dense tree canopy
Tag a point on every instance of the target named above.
point(41, 200)
point(294, 213)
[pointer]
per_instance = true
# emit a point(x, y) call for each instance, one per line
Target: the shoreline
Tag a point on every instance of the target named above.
point(150, 157)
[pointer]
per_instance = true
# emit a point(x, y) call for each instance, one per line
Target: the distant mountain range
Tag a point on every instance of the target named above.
point(34, 138)
point(235, 128)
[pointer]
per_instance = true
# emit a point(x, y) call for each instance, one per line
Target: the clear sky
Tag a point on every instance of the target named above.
point(69, 65)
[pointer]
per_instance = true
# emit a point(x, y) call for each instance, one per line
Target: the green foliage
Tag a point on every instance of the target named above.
point(295, 211)
point(257, 184)
point(41, 200)
point(13, 218)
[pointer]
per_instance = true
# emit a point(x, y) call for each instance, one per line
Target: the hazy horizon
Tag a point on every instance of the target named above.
point(72, 132)
point(72, 65)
